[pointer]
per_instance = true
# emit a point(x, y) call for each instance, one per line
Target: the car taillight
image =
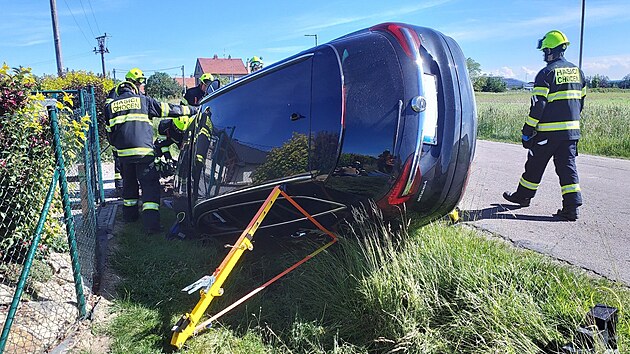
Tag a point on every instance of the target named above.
point(396, 195)
point(408, 39)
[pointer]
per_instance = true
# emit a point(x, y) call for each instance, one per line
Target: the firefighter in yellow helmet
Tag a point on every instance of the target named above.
point(136, 77)
point(128, 115)
point(170, 131)
point(194, 95)
point(552, 128)
point(255, 64)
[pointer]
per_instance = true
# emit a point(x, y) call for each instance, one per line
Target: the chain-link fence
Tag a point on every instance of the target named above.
point(50, 187)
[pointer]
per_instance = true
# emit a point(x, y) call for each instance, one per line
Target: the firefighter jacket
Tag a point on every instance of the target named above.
point(129, 125)
point(557, 100)
point(194, 95)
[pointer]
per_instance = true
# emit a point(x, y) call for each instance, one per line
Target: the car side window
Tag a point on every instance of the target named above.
point(257, 126)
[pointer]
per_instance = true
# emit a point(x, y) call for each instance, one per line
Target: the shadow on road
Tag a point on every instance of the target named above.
point(503, 211)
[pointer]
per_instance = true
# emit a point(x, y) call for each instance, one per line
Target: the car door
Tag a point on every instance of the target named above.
point(260, 130)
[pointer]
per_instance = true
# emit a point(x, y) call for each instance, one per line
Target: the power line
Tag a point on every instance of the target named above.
point(75, 21)
point(154, 70)
point(94, 16)
point(66, 58)
point(86, 18)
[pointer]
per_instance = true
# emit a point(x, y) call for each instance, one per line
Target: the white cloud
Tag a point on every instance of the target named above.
point(528, 71)
point(503, 71)
point(613, 66)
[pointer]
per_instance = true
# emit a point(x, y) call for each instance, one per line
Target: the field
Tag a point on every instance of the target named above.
point(604, 122)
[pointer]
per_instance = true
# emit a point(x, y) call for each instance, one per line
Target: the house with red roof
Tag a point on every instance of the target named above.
point(232, 68)
point(189, 82)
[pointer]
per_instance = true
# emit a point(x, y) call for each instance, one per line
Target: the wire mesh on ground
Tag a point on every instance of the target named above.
point(48, 226)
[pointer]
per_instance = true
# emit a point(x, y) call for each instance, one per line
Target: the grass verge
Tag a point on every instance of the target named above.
point(434, 289)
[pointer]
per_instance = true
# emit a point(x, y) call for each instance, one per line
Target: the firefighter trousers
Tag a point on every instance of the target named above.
point(117, 170)
point(141, 174)
point(563, 153)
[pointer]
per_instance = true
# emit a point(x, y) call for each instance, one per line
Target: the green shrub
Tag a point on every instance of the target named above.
point(76, 80)
point(26, 160)
point(27, 163)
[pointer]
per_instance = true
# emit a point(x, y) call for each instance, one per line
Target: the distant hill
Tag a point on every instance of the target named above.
point(513, 83)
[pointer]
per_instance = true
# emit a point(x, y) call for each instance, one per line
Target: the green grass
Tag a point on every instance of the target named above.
point(436, 289)
point(605, 114)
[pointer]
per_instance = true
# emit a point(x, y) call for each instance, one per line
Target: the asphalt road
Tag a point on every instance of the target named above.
point(598, 241)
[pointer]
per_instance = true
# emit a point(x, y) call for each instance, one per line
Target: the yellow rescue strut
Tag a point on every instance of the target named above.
point(210, 285)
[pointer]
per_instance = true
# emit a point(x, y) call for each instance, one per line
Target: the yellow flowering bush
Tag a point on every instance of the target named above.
point(27, 161)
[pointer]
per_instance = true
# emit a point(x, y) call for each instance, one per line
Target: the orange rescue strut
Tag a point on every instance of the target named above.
point(211, 285)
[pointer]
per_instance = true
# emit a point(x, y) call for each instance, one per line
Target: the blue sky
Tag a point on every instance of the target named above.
point(500, 35)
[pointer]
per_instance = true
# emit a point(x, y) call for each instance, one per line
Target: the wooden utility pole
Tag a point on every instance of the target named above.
point(53, 13)
point(102, 49)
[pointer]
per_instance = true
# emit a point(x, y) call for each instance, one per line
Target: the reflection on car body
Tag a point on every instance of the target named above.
point(385, 113)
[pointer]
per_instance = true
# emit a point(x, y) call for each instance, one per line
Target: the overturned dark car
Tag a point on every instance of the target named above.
point(384, 114)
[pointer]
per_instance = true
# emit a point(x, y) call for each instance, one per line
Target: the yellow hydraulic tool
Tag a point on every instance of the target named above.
point(210, 285)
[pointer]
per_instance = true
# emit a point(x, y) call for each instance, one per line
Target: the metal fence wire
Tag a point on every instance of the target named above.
point(50, 189)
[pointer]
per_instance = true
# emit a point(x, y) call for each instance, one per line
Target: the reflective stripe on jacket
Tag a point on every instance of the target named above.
point(557, 100)
point(128, 116)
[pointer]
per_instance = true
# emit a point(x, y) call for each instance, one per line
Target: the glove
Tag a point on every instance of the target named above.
point(528, 130)
point(193, 110)
point(527, 141)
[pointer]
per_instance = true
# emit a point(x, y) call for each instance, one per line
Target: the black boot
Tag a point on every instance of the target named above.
point(512, 198)
point(567, 213)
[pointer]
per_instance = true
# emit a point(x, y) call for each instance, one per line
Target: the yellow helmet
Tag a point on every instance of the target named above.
point(255, 61)
point(553, 39)
point(136, 75)
point(182, 122)
point(206, 78)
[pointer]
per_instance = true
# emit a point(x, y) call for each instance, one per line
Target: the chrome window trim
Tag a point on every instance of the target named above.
point(255, 75)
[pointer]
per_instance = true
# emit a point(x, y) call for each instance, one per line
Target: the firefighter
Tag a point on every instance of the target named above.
point(170, 131)
point(130, 130)
point(255, 64)
point(194, 95)
point(553, 127)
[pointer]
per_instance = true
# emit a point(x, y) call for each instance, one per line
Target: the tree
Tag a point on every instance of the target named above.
point(494, 84)
point(486, 83)
point(625, 82)
point(161, 85)
point(474, 68)
point(479, 83)
point(288, 160)
point(598, 81)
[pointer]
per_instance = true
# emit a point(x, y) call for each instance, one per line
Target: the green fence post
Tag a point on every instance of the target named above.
point(87, 160)
point(28, 262)
point(67, 210)
point(97, 147)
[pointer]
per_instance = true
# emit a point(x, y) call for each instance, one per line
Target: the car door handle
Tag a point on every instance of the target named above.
point(296, 116)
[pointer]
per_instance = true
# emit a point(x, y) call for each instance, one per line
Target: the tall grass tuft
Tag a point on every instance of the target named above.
point(442, 289)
